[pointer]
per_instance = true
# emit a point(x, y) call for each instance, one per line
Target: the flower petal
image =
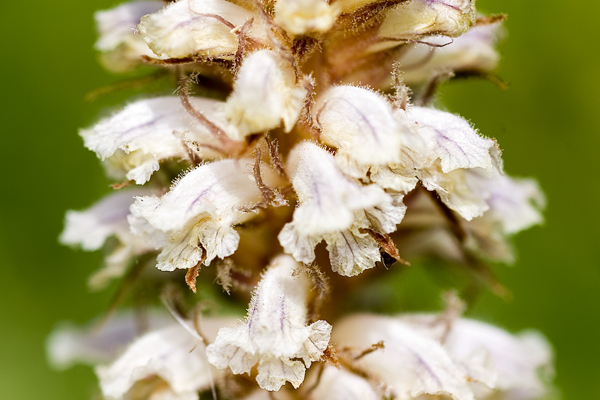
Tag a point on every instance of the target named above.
point(200, 209)
point(451, 139)
point(107, 218)
point(517, 359)
point(328, 198)
point(339, 384)
point(473, 52)
point(97, 343)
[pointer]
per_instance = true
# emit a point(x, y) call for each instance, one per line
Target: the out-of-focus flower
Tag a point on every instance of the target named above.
point(91, 228)
point(121, 49)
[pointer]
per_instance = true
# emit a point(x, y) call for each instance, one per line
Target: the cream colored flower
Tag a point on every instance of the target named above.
point(275, 333)
point(300, 17)
point(194, 221)
point(188, 28)
point(136, 139)
point(337, 209)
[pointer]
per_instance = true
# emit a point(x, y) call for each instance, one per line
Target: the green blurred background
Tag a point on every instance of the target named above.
point(547, 124)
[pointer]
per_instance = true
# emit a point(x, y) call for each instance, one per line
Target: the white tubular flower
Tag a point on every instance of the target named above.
point(410, 364)
point(195, 219)
point(172, 355)
point(517, 359)
point(339, 384)
point(188, 28)
point(473, 52)
point(264, 95)
point(361, 124)
point(121, 49)
point(274, 334)
point(418, 18)
point(300, 17)
point(91, 228)
point(141, 135)
point(98, 342)
point(333, 208)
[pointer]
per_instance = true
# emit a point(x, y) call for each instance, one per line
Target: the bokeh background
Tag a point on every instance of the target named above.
point(546, 122)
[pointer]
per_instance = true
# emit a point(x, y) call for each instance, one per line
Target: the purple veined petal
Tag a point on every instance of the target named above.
point(453, 140)
point(90, 228)
point(144, 131)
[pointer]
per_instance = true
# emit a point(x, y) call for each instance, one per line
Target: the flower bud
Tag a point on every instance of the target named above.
point(300, 17)
point(189, 28)
point(264, 95)
point(418, 18)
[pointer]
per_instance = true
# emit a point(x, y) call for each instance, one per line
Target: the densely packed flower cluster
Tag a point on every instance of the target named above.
point(296, 123)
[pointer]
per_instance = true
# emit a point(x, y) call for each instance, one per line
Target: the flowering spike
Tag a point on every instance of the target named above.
point(294, 131)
